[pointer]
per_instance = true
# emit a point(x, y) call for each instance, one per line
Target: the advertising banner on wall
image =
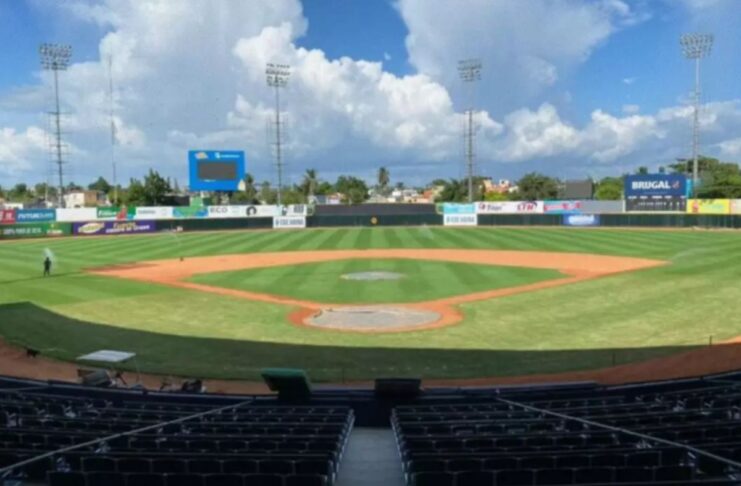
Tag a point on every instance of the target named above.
point(7, 216)
point(113, 227)
point(75, 215)
point(261, 211)
point(227, 211)
point(35, 215)
point(709, 206)
point(460, 219)
point(653, 185)
point(187, 212)
point(456, 208)
point(581, 219)
point(509, 207)
point(31, 230)
point(735, 206)
point(289, 222)
point(562, 207)
point(154, 212)
point(669, 204)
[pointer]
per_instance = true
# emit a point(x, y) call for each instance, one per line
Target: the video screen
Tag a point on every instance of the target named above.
point(217, 171)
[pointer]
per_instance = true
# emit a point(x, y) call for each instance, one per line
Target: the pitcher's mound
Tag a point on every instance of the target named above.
point(373, 318)
point(373, 276)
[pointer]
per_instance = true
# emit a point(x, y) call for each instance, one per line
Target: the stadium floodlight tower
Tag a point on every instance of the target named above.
point(470, 72)
point(55, 58)
point(696, 46)
point(277, 76)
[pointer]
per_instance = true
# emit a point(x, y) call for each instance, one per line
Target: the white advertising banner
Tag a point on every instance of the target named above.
point(460, 220)
point(510, 207)
point(269, 211)
point(289, 222)
point(76, 215)
point(261, 211)
point(153, 212)
point(227, 211)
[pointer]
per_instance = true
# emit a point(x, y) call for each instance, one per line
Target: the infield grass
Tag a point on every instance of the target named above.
point(419, 280)
point(590, 324)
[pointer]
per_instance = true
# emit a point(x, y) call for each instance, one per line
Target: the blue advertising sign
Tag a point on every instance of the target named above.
point(656, 185)
point(458, 208)
point(581, 219)
point(35, 215)
point(216, 170)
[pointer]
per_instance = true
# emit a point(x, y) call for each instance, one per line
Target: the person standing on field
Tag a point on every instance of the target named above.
point(47, 267)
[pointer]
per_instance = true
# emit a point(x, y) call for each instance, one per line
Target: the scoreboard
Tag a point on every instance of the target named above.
point(216, 170)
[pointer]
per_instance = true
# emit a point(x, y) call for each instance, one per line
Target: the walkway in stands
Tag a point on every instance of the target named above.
point(371, 458)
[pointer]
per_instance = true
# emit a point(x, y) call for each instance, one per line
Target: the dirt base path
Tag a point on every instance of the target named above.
point(575, 266)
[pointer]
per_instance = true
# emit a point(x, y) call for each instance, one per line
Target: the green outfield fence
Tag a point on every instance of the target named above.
point(366, 218)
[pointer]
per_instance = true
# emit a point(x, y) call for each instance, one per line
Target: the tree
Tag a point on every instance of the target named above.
point(73, 187)
point(642, 170)
point(384, 177)
point(454, 190)
point(495, 196)
point(324, 188)
point(609, 189)
point(535, 186)
point(19, 193)
point(100, 185)
point(309, 184)
point(267, 195)
point(135, 194)
point(155, 188)
point(249, 195)
point(353, 189)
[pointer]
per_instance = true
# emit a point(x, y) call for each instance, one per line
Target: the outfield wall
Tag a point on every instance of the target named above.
point(39, 223)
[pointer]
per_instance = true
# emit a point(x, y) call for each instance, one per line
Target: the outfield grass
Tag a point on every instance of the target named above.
point(625, 317)
point(419, 281)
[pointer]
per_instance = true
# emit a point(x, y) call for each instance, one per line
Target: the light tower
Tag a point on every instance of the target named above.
point(277, 76)
point(55, 57)
point(113, 129)
point(470, 72)
point(696, 46)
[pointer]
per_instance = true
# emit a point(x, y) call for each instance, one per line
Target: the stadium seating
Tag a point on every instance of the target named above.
point(152, 443)
point(625, 435)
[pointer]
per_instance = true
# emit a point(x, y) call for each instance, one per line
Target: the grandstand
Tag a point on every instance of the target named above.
point(668, 433)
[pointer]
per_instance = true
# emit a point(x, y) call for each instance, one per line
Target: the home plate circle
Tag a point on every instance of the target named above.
point(372, 276)
point(373, 318)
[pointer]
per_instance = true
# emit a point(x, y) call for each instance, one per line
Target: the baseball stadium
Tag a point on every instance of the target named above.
point(562, 310)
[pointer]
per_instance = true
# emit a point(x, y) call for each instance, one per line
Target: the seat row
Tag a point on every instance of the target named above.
point(146, 479)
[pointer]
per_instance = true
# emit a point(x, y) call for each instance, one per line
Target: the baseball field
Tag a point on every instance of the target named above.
point(526, 301)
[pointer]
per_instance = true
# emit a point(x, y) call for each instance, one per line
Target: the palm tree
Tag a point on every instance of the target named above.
point(249, 186)
point(310, 182)
point(383, 179)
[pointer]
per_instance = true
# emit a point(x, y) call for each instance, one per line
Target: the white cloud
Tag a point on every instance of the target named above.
point(731, 148)
point(386, 56)
point(18, 150)
point(525, 47)
point(629, 81)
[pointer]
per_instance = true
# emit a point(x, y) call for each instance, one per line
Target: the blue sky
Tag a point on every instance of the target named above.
point(569, 87)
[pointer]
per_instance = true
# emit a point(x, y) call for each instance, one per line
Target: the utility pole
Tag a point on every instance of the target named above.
point(470, 72)
point(55, 58)
point(113, 129)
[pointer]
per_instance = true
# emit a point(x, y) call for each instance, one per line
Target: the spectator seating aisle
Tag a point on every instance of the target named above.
point(630, 435)
point(168, 443)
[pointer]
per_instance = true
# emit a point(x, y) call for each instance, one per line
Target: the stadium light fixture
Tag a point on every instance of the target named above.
point(695, 47)
point(469, 71)
point(55, 58)
point(276, 76)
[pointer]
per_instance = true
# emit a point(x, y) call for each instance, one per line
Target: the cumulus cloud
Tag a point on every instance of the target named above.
point(18, 150)
point(525, 47)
